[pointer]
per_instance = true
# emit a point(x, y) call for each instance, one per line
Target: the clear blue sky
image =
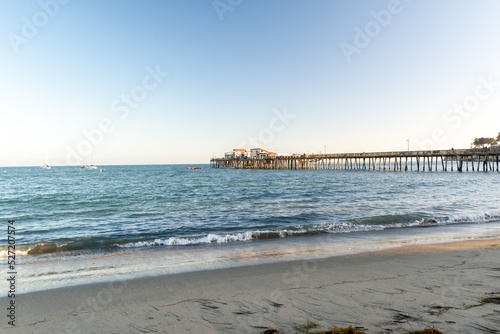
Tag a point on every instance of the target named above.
point(349, 76)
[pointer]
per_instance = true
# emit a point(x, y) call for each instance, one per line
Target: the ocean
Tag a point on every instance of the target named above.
point(77, 226)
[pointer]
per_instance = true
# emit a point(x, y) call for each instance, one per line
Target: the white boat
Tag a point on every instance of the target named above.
point(91, 166)
point(46, 165)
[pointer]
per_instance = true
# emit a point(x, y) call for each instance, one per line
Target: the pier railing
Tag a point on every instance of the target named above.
point(460, 159)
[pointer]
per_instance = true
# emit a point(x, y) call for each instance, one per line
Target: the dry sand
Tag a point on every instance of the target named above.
point(392, 291)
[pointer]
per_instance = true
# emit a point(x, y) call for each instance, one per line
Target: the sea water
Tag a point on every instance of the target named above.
point(76, 226)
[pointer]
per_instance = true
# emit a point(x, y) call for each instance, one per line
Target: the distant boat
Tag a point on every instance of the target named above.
point(46, 165)
point(90, 161)
point(194, 168)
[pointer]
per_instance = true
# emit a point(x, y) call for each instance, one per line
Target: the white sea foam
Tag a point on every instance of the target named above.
point(473, 218)
point(5, 253)
point(207, 239)
point(347, 227)
point(352, 227)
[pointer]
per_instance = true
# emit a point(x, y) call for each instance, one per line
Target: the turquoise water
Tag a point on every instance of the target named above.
point(67, 213)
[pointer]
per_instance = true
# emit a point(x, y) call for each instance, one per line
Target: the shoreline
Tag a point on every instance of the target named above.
point(403, 289)
point(50, 272)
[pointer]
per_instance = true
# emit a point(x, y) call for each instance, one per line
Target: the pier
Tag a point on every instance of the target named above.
point(486, 159)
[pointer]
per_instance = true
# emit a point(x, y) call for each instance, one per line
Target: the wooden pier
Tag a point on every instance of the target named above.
point(438, 160)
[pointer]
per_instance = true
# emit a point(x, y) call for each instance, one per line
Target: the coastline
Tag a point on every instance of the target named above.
point(400, 289)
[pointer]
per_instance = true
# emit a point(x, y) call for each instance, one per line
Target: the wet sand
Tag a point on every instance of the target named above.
point(453, 287)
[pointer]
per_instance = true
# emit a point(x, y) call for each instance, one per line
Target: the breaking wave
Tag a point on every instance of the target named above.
point(349, 227)
point(365, 225)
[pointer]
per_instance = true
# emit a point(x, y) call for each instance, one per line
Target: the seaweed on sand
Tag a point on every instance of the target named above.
point(427, 331)
point(491, 299)
point(348, 330)
point(271, 331)
point(308, 325)
point(336, 330)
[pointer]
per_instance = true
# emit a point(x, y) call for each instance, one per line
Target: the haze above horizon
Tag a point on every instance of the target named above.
point(173, 82)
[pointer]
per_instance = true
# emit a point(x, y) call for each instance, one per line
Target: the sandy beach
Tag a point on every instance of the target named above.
point(453, 287)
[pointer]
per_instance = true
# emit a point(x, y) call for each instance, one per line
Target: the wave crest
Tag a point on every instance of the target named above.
point(348, 227)
point(369, 224)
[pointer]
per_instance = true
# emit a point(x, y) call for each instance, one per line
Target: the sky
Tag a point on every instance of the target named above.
point(166, 82)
